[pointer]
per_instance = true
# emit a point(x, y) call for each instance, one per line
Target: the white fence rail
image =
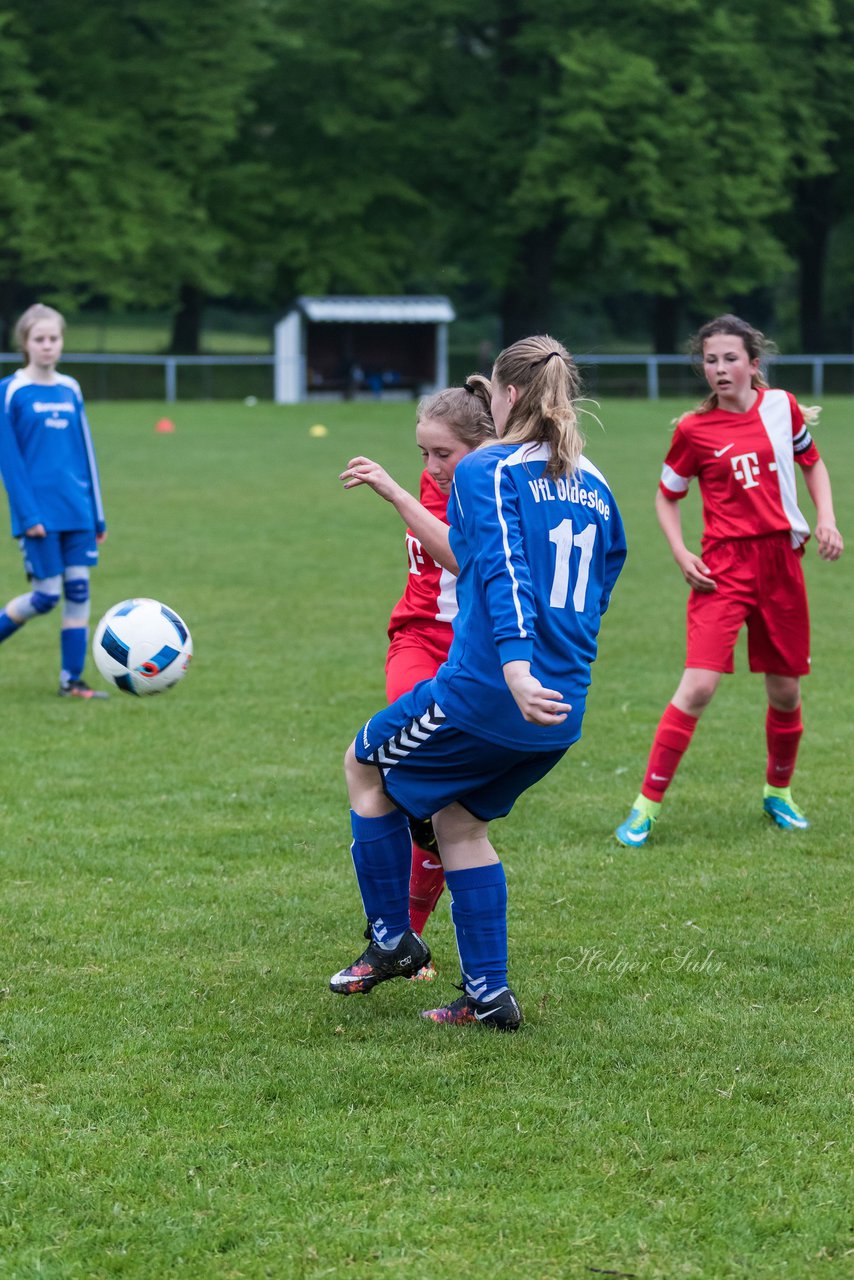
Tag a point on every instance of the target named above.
point(649, 366)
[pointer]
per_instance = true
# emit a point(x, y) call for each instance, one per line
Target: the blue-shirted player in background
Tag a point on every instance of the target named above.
point(539, 541)
point(51, 478)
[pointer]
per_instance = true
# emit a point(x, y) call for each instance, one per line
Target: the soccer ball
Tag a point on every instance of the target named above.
point(142, 646)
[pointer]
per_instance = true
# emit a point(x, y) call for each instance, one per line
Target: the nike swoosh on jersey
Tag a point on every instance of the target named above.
point(720, 452)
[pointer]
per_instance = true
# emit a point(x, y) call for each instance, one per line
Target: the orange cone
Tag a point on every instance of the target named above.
point(165, 425)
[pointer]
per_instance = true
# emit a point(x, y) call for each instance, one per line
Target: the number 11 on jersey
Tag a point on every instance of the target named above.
point(565, 539)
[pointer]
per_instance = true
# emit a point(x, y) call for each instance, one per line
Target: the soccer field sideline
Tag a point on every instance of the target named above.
point(182, 1096)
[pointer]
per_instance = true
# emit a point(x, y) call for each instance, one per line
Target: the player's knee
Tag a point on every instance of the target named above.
point(784, 693)
point(77, 590)
point(696, 690)
point(44, 601)
point(364, 787)
point(455, 824)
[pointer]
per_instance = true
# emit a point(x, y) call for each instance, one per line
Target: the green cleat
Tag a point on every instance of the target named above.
point(637, 827)
point(781, 809)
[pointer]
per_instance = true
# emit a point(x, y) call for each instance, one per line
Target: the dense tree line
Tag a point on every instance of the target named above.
point(675, 156)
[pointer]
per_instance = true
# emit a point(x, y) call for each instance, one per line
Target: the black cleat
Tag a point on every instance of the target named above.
point(502, 1013)
point(80, 689)
point(424, 836)
point(375, 965)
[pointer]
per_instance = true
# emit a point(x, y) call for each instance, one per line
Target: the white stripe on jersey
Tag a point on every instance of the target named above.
point(673, 481)
point(446, 601)
point(776, 414)
point(18, 380)
point(584, 464)
point(525, 453)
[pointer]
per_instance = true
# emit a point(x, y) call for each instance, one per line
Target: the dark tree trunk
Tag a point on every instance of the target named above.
point(187, 322)
point(815, 215)
point(8, 314)
point(666, 314)
point(527, 301)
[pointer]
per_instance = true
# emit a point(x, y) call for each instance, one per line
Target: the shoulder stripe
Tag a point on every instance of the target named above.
point(584, 464)
point(17, 380)
point(505, 534)
point(527, 453)
point(65, 380)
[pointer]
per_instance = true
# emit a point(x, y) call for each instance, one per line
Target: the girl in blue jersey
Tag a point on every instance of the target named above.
point(51, 478)
point(540, 543)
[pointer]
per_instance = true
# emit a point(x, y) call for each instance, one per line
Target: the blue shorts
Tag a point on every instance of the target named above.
point(47, 557)
point(427, 764)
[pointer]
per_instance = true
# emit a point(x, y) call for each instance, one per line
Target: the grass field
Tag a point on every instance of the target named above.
point(181, 1096)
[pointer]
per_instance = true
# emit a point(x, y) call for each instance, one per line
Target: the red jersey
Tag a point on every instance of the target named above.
point(744, 463)
point(431, 591)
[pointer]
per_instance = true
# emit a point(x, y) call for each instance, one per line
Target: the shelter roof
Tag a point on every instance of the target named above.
point(380, 310)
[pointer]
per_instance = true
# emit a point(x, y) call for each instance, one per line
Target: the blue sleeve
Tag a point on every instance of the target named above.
point(615, 558)
point(22, 500)
point(100, 518)
point(487, 513)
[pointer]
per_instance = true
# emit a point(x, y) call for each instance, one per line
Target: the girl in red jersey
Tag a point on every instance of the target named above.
point(741, 443)
point(449, 425)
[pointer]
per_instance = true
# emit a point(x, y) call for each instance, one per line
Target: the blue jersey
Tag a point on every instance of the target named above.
point(46, 456)
point(538, 559)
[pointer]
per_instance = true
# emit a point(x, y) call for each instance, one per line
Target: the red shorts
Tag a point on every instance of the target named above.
point(760, 582)
point(416, 653)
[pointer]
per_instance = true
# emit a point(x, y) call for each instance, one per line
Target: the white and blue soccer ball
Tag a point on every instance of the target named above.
point(142, 646)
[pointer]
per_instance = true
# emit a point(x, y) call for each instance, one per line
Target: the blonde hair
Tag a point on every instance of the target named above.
point(465, 410)
point(31, 317)
point(548, 384)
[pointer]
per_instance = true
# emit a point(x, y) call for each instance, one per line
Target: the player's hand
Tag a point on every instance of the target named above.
point(36, 531)
point(829, 540)
point(537, 704)
point(366, 471)
point(695, 572)
point(101, 537)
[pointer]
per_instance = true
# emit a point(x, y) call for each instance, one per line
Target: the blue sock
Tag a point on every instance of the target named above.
point(479, 913)
point(382, 856)
point(7, 626)
point(72, 641)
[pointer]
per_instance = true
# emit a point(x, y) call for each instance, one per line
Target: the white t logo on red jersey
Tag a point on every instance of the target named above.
point(746, 468)
point(416, 558)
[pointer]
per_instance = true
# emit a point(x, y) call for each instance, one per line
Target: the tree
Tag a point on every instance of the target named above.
point(21, 188)
point(338, 131)
point(666, 151)
point(813, 46)
point(130, 111)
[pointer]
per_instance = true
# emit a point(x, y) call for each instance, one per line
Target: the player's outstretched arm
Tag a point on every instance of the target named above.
point(694, 570)
point(431, 532)
point(827, 536)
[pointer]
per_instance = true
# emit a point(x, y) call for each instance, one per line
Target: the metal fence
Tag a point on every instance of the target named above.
point(813, 369)
point(165, 377)
point(153, 377)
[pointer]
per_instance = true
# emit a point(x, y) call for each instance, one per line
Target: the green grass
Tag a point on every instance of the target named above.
point(181, 1096)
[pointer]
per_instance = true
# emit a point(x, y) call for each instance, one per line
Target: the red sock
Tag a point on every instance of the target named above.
point(783, 731)
point(674, 733)
point(426, 882)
